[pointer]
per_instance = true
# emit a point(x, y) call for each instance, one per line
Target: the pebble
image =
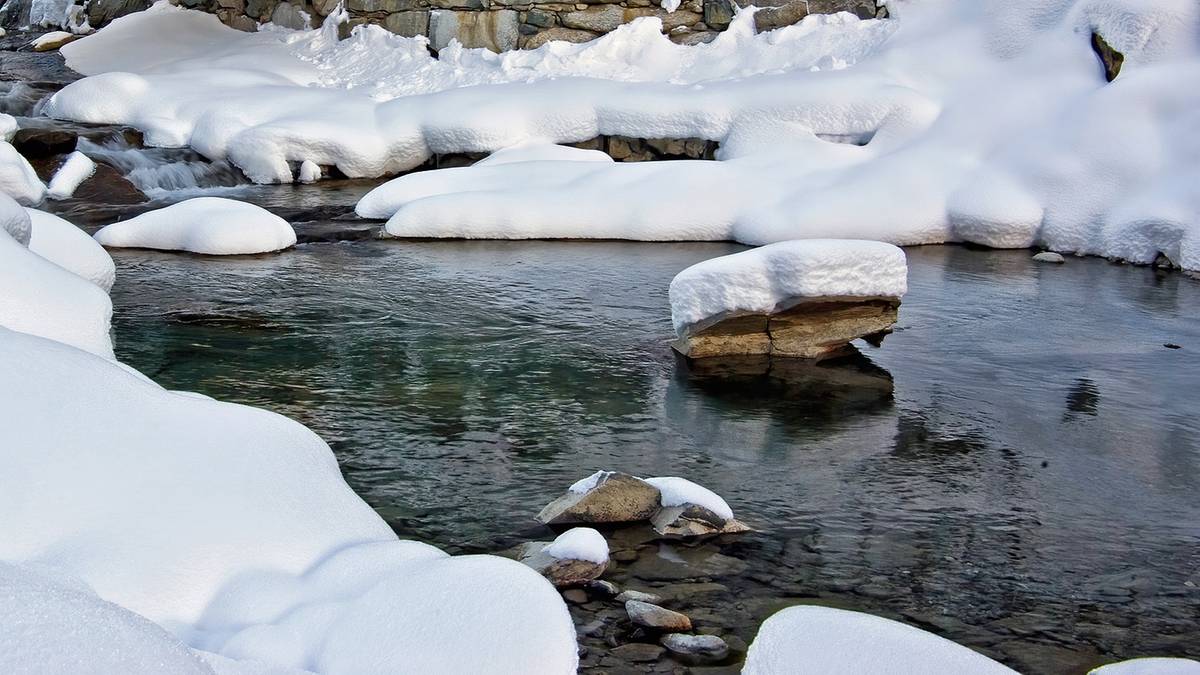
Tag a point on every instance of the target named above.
point(602, 588)
point(706, 646)
point(575, 595)
point(659, 618)
point(1050, 257)
point(640, 596)
point(638, 652)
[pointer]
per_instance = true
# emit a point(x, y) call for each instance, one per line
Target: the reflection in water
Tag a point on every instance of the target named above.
point(936, 480)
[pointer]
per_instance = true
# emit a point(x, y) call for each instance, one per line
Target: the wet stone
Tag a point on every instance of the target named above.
point(658, 618)
point(708, 647)
point(638, 652)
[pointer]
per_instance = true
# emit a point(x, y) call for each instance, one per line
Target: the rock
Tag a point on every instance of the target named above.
point(407, 24)
point(540, 18)
point(1050, 257)
point(601, 588)
point(718, 13)
point(638, 652)
point(616, 498)
point(100, 12)
point(108, 186)
point(289, 16)
point(690, 39)
point(575, 596)
point(52, 41)
point(558, 33)
point(649, 615)
point(812, 329)
point(560, 572)
point(261, 9)
point(692, 520)
point(671, 20)
point(600, 19)
point(36, 143)
point(324, 7)
point(1110, 58)
point(770, 18)
point(498, 31)
point(708, 647)
point(639, 596)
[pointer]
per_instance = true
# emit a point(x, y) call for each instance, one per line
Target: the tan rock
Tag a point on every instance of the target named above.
point(652, 616)
point(617, 498)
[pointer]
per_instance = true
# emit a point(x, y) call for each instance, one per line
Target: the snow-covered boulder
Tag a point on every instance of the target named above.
point(54, 625)
point(840, 642)
point(691, 510)
point(806, 298)
point(1150, 666)
point(77, 168)
point(70, 248)
point(41, 298)
point(17, 178)
point(207, 225)
point(603, 497)
point(576, 556)
point(232, 528)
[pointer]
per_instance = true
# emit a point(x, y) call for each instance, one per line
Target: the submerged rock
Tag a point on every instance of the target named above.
point(611, 497)
point(638, 652)
point(640, 596)
point(708, 647)
point(1050, 257)
point(692, 520)
point(659, 618)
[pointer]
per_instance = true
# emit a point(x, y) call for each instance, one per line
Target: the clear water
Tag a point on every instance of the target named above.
point(1017, 468)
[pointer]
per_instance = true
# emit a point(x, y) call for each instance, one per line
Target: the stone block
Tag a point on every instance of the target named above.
point(408, 24)
point(670, 20)
point(558, 33)
point(541, 18)
point(770, 18)
point(718, 13)
point(598, 19)
point(494, 30)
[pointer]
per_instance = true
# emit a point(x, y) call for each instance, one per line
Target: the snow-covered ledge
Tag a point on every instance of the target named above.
point(805, 299)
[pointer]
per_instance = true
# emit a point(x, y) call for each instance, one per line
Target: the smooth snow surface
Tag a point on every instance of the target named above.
point(232, 528)
point(680, 492)
point(1150, 666)
point(70, 248)
point(14, 220)
point(766, 279)
point(579, 543)
point(839, 642)
point(41, 298)
point(833, 128)
point(78, 168)
point(585, 485)
point(17, 178)
point(209, 225)
point(540, 152)
point(55, 626)
point(8, 127)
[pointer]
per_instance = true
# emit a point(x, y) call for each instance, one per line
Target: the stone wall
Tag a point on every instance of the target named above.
point(502, 25)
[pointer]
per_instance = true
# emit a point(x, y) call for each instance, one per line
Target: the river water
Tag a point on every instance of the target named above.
point(1016, 469)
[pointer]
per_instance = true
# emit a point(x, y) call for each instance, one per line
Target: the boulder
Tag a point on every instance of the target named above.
point(692, 520)
point(38, 143)
point(52, 41)
point(598, 19)
point(288, 15)
point(562, 572)
point(1110, 58)
point(612, 498)
point(407, 24)
point(497, 31)
point(706, 647)
point(558, 33)
point(658, 618)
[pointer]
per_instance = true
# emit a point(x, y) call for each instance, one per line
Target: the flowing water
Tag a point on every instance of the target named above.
point(1017, 468)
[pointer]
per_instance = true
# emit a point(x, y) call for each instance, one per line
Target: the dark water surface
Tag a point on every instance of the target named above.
point(1017, 469)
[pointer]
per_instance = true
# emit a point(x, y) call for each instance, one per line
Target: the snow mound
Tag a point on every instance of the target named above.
point(14, 220)
point(70, 248)
point(78, 168)
point(54, 626)
point(8, 127)
point(680, 492)
point(41, 298)
point(1150, 666)
point(579, 543)
point(282, 564)
point(541, 152)
point(208, 225)
point(17, 178)
point(764, 279)
point(839, 642)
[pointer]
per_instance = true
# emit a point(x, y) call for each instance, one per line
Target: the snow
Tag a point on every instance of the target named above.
point(681, 492)
point(78, 168)
point(41, 298)
point(70, 248)
point(46, 13)
point(59, 626)
point(208, 225)
point(541, 152)
point(670, 5)
point(53, 37)
point(586, 485)
point(232, 528)
point(579, 543)
point(14, 220)
point(8, 127)
point(17, 178)
point(840, 642)
point(310, 172)
point(833, 128)
point(767, 279)
point(1150, 666)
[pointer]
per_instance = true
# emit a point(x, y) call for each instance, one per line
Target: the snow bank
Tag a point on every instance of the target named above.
point(579, 543)
point(8, 127)
point(70, 248)
point(78, 168)
point(1150, 666)
point(41, 298)
point(17, 178)
point(14, 220)
point(208, 225)
point(232, 527)
point(765, 279)
point(55, 626)
point(839, 642)
point(540, 152)
point(680, 492)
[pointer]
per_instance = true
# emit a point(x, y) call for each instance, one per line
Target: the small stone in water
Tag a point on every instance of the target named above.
point(602, 588)
point(575, 595)
point(641, 596)
point(659, 618)
point(707, 646)
point(1049, 257)
point(638, 652)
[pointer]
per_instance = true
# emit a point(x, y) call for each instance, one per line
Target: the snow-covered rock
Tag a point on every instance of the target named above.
point(309, 172)
point(580, 543)
point(841, 642)
point(8, 127)
point(232, 528)
point(14, 220)
point(539, 152)
point(41, 298)
point(575, 557)
point(70, 248)
point(603, 497)
point(1150, 666)
point(208, 225)
point(17, 178)
point(78, 168)
point(682, 492)
point(52, 40)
